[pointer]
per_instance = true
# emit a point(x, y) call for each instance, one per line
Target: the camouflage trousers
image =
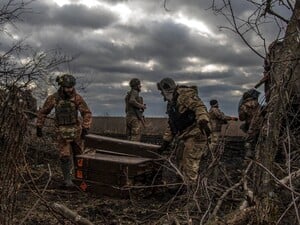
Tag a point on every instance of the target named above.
point(133, 128)
point(188, 155)
point(215, 136)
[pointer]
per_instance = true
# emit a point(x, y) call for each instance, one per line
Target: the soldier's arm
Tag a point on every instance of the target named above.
point(219, 114)
point(45, 110)
point(133, 100)
point(85, 112)
point(168, 136)
point(243, 112)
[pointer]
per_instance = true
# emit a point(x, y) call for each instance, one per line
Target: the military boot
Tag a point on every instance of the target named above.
point(66, 171)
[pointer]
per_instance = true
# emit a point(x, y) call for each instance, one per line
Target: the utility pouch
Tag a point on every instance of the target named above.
point(68, 132)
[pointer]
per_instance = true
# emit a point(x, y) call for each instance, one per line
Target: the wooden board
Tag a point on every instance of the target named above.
point(122, 146)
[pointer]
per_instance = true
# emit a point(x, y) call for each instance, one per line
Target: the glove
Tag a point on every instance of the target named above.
point(39, 132)
point(204, 127)
point(84, 132)
point(163, 147)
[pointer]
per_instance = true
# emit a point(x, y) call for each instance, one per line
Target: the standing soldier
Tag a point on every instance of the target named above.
point(250, 112)
point(188, 126)
point(217, 118)
point(70, 131)
point(134, 109)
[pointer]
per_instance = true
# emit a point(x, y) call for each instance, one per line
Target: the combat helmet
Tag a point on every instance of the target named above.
point(213, 102)
point(251, 93)
point(166, 85)
point(66, 80)
point(134, 82)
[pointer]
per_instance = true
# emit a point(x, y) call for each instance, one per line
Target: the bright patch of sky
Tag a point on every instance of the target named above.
point(149, 65)
point(196, 64)
point(88, 3)
point(194, 25)
point(236, 93)
point(214, 68)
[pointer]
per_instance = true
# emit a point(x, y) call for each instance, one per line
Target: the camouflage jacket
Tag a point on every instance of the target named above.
point(217, 118)
point(187, 99)
point(81, 106)
point(248, 109)
point(133, 104)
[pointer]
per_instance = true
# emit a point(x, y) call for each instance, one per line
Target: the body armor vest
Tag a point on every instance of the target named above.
point(66, 112)
point(179, 121)
point(131, 110)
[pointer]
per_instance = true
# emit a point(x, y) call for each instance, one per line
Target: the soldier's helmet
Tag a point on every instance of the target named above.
point(213, 102)
point(134, 82)
point(167, 84)
point(251, 93)
point(66, 80)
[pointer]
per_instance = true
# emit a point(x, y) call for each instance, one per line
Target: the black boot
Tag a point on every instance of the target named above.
point(66, 171)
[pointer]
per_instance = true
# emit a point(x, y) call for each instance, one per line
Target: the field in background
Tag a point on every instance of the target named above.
point(154, 126)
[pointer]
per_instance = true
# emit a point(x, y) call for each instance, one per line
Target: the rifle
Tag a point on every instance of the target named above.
point(139, 115)
point(263, 80)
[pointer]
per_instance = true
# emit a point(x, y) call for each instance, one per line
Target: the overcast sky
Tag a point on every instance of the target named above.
point(115, 41)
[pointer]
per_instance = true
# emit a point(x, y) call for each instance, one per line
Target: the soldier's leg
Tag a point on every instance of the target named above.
point(252, 136)
point(250, 144)
point(128, 127)
point(65, 160)
point(194, 149)
point(136, 130)
point(214, 143)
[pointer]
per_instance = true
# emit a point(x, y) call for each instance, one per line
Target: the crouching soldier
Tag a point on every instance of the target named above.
point(250, 111)
point(189, 126)
point(217, 118)
point(71, 130)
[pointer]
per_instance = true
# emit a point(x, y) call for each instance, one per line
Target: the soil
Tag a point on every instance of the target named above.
point(41, 187)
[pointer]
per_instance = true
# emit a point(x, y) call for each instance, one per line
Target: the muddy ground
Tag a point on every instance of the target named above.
point(41, 187)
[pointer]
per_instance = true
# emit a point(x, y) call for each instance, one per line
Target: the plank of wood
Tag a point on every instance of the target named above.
point(122, 146)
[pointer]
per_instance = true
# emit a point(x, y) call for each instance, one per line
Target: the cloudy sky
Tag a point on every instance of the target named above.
point(115, 41)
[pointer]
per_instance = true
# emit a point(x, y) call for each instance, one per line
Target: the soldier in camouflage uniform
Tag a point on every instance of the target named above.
point(188, 126)
point(134, 108)
point(71, 129)
point(250, 112)
point(217, 118)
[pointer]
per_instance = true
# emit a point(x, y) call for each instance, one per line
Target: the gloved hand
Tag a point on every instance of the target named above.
point(163, 147)
point(204, 127)
point(39, 132)
point(84, 132)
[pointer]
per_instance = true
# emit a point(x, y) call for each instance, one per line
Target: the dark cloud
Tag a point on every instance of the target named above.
point(153, 43)
point(70, 16)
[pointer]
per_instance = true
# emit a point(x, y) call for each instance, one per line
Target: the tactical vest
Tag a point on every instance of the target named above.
point(179, 121)
point(66, 112)
point(131, 110)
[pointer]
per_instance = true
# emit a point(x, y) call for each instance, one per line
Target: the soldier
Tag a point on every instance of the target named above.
point(134, 109)
point(217, 118)
point(188, 126)
point(250, 112)
point(70, 131)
